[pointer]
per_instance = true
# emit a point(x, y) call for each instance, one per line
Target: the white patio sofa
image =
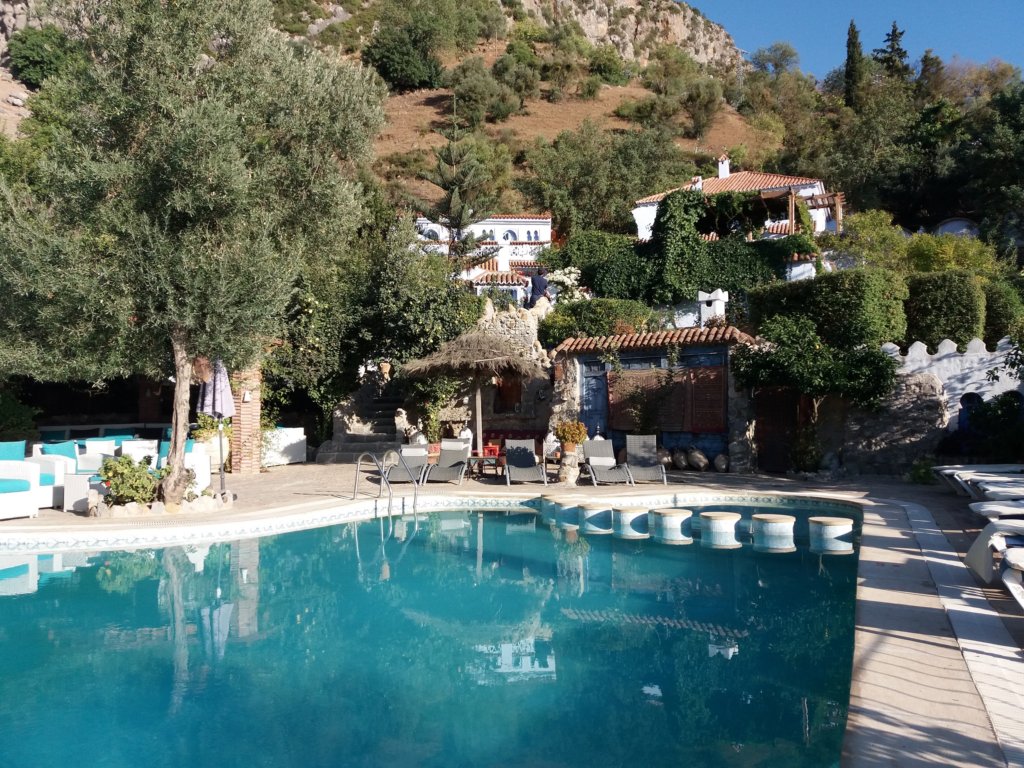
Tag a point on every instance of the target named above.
point(20, 503)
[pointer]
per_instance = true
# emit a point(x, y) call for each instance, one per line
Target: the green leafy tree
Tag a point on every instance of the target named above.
point(596, 317)
point(777, 58)
point(37, 54)
point(198, 166)
point(475, 91)
point(995, 155)
point(589, 178)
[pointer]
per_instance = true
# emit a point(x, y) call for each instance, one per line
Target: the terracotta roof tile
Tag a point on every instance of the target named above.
point(740, 181)
point(519, 217)
point(500, 278)
point(678, 337)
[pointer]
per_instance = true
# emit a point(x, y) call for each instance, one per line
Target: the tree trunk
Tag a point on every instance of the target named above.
point(176, 482)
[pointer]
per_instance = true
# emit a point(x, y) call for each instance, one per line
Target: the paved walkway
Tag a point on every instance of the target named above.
point(937, 678)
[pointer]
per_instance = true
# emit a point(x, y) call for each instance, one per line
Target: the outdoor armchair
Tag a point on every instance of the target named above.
point(409, 466)
point(450, 466)
point(521, 463)
point(642, 459)
point(19, 489)
point(600, 464)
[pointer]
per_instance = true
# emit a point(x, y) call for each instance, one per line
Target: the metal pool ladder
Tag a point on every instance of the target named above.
point(384, 483)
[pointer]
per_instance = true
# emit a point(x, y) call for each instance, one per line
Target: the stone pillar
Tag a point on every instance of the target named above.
point(246, 436)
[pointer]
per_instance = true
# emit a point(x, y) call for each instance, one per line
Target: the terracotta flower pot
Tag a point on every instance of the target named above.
point(568, 448)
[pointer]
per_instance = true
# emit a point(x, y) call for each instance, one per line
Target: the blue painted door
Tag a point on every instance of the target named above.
point(594, 402)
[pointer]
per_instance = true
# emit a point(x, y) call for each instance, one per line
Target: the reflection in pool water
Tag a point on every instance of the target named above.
point(458, 640)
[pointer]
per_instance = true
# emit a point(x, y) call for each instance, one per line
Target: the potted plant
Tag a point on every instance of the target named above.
point(570, 434)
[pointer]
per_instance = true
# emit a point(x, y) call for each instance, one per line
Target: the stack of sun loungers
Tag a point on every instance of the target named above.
point(997, 491)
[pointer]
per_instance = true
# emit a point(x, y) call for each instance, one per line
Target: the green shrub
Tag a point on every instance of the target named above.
point(17, 420)
point(37, 54)
point(404, 57)
point(590, 87)
point(607, 65)
point(521, 77)
point(500, 300)
point(1003, 308)
point(852, 307)
point(609, 264)
point(944, 305)
point(474, 90)
point(597, 317)
point(130, 482)
point(997, 429)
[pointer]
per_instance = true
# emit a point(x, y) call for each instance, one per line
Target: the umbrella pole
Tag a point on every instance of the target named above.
point(479, 423)
point(220, 443)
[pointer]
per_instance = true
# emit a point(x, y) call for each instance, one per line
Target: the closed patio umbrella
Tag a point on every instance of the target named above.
point(479, 356)
point(216, 400)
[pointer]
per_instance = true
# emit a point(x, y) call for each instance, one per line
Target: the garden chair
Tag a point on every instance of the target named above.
point(521, 462)
point(450, 466)
point(410, 465)
point(600, 464)
point(642, 460)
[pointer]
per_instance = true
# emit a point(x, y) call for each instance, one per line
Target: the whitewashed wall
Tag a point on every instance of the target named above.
point(959, 372)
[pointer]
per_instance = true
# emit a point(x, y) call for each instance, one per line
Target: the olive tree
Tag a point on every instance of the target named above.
point(198, 163)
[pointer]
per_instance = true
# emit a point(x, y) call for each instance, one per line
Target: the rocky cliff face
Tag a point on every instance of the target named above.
point(638, 27)
point(15, 16)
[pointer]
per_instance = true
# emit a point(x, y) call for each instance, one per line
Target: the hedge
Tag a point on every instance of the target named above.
point(597, 317)
point(1003, 308)
point(945, 305)
point(849, 308)
point(610, 265)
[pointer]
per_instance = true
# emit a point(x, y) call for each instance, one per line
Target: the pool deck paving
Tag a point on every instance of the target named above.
point(938, 674)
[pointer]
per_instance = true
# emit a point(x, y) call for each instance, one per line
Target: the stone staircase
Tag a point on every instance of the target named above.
point(366, 426)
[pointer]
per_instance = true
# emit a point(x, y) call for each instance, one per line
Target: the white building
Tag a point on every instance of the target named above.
point(812, 192)
point(509, 243)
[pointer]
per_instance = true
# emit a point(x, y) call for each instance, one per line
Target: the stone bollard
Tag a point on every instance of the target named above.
point(630, 523)
point(773, 533)
point(671, 526)
point(718, 530)
point(831, 535)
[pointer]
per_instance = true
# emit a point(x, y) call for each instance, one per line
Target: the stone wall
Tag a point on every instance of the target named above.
point(959, 372)
point(740, 417)
point(518, 327)
point(910, 425)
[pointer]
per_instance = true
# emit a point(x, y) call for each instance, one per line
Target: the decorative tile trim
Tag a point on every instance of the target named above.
point(143, 534)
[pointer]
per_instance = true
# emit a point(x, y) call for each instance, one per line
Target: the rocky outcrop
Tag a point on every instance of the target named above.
point(15, 16)
point(638, 27)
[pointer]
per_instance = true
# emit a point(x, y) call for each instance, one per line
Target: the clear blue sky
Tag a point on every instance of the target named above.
point(977, 30)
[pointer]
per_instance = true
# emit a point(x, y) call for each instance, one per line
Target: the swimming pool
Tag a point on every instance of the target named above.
point(458, 638)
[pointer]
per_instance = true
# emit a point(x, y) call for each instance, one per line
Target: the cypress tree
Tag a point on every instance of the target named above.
point(853, 72)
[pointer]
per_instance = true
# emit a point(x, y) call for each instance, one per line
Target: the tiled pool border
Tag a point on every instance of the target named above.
point(150, 532)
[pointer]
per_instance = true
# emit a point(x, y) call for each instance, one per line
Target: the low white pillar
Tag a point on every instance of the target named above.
point(595, 519)
point(773, 533)
point(630, 523)
point(671, 526)
point(718, 530)
point(831, 535)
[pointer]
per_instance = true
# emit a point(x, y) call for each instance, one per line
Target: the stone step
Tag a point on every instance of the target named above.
point(373, 437)
point(350, 457)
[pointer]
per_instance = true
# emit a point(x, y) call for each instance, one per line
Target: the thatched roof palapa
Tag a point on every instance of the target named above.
point(478, 354)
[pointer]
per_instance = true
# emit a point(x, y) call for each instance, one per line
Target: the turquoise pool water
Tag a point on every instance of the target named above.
point(464, 639)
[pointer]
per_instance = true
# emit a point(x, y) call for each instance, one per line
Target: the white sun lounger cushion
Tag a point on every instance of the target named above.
point(601, 461)
point(1014, 558)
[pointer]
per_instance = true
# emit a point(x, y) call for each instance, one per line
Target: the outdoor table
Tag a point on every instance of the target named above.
point(477, 464)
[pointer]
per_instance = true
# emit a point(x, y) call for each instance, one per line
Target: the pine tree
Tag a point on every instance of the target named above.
point(893, 56)
point(467, 196)
point(853, 73)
